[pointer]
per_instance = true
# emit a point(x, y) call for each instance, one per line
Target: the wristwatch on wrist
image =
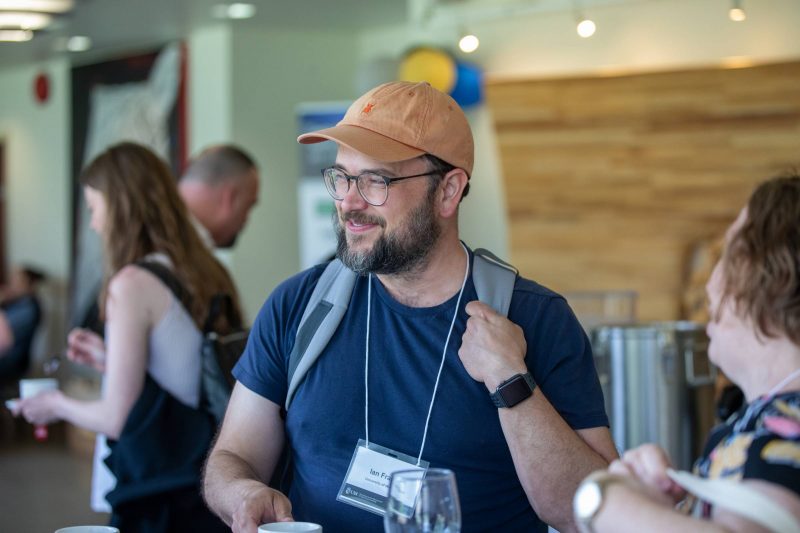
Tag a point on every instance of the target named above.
point(513, 390)
point(589, 498)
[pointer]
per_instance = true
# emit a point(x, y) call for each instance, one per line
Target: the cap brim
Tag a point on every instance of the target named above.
point(362, 140)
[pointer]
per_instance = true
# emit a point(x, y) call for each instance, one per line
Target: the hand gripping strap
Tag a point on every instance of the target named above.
point(494, 280)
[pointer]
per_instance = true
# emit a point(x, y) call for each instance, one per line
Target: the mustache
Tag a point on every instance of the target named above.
point(362, 218)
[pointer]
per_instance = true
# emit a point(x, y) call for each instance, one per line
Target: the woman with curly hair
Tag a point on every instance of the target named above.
point(748, 477)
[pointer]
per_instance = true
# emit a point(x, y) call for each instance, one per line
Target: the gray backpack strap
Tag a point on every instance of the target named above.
point(494, 280)
point(320, 319)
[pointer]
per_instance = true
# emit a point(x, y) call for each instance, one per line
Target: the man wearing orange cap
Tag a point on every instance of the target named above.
point(419, 373)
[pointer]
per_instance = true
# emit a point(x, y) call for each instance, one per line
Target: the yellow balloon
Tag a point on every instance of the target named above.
point(431, 65)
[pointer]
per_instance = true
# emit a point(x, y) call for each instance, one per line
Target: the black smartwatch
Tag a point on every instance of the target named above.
point(514, 390)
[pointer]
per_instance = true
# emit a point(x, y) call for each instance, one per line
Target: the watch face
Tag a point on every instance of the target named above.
point(515, 391)
point(587, 500)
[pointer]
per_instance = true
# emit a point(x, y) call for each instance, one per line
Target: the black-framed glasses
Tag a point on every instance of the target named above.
point(373, 187)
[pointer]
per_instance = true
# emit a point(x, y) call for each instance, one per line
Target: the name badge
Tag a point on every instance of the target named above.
point(366, 484)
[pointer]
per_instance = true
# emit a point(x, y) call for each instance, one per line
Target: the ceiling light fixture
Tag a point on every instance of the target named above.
point(468, 43)
point(45, 6)
point(24, 21)
point(19, 18)
point(15, 36)
point(585, 26)
point(736, 12)
point(241, 11)
point(78, 43)
point(235, 11)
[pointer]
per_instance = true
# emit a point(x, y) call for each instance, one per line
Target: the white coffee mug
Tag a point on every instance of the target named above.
point(28, 388)
point(291, 527)
point(88, 529)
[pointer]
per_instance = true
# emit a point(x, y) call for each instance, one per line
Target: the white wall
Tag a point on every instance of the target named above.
point(273, 72)
point(37, 146)
point(37, 195)
point(210, 82)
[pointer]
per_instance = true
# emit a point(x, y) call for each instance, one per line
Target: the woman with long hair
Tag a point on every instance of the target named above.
point(748, 477)
point(149, 406)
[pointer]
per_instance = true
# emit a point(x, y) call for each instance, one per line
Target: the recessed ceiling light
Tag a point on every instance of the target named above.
point(24, 21)
point(79, 43)
point(47, 6)
point(15, 36)
point(586, 28)
point(241, 11)
point(737, 14)
point(469, 43)
point(234, 11)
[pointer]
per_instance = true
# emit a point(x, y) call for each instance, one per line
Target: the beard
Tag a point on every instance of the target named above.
point(398, 252)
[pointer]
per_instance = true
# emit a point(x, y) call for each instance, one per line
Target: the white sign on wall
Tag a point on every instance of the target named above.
point(315, 206)
point(317, 239)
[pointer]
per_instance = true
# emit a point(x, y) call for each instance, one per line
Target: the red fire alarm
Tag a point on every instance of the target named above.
point(41, 88)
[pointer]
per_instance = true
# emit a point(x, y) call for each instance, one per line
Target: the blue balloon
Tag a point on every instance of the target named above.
point(468, 89)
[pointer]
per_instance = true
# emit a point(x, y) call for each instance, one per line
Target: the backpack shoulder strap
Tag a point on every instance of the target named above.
point(494, 280)
point(321, 317)
point(221, 305)
point(168, 278)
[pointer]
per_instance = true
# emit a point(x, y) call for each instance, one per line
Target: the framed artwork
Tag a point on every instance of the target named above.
point(140, 98)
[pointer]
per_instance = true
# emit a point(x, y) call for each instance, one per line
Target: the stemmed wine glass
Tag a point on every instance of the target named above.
point(423, 502)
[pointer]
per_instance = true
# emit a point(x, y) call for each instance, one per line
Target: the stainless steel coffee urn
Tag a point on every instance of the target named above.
point(658, 385)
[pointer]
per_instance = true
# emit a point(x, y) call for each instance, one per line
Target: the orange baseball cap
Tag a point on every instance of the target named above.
point(401, 120)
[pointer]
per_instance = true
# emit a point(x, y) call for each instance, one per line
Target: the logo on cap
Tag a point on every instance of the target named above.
point(368, 108)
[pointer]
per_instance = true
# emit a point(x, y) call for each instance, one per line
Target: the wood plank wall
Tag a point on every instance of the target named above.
point(611, 182)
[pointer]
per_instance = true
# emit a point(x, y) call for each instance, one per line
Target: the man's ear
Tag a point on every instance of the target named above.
point(228, 195)
point(452, 189)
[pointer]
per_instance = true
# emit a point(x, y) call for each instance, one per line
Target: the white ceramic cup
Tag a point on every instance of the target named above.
point(291, 527)
point(88, 529)
point(28, 388)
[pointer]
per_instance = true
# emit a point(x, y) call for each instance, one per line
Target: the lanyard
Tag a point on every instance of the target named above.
point(785, 381)
point(749, 414)
point(441, 364)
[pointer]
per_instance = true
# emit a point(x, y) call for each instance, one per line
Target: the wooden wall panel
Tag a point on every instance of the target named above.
point(611, 182)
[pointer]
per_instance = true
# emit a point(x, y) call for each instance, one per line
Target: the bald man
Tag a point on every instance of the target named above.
point(220, 187)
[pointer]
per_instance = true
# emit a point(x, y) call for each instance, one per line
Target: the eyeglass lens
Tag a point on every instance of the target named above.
point(372, 187)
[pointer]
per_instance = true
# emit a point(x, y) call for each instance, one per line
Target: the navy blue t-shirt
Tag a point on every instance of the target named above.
point(326, 417)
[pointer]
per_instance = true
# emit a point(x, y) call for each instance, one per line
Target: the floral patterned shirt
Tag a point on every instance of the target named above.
point(761, 441)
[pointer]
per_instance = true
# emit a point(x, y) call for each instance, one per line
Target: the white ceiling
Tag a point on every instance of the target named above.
point(124, 25)
point(119, 24)
point(116, 25)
